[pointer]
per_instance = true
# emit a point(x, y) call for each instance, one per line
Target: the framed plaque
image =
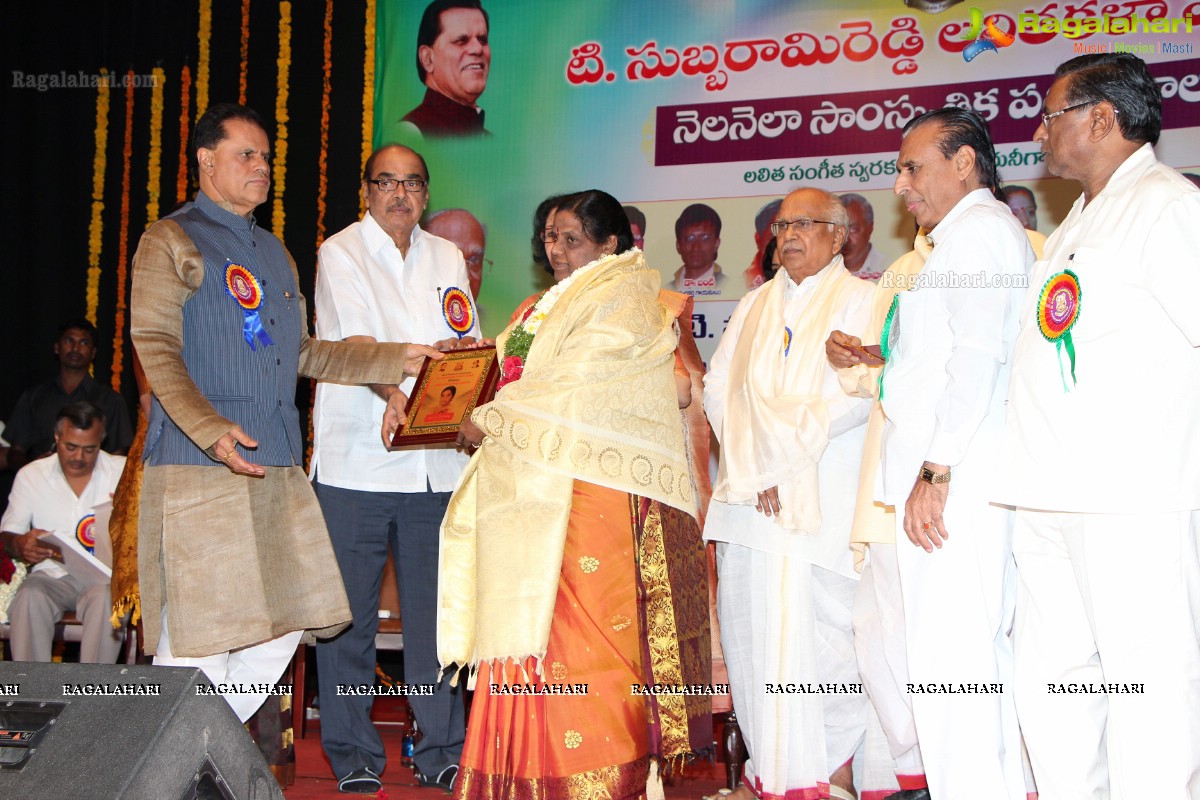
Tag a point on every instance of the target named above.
point(445, 394)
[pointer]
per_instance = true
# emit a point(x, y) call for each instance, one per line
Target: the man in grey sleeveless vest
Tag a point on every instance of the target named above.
point(234, 560)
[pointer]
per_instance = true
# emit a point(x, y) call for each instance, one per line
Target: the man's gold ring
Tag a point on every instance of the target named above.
point(232, 453)
point(926, 525)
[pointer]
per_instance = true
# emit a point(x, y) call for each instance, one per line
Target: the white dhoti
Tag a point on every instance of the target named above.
point(786, 634)
point(879, 644)
point(958, 604)
point(1108, 653)
point(243, 676)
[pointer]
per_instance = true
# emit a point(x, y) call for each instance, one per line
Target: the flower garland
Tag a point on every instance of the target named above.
point(368, 91)
point(323, 155)
point(205, 36)
point(154, 164)
point(244, 66)
point(9, 587)
point(96, 227)
point(322, 186)
point(185, 89)
point(516, 348)
point(123, 240)
point(279, 160)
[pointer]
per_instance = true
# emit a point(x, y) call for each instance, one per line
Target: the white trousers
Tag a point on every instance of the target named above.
point(958, 605)
point(249, 667)
point(785, 630)
point(879, 644)
point(1110, 602)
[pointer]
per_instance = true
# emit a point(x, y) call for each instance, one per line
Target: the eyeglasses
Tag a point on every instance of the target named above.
point(388, 185)
point(478, 261)
point(1047, 117)
point(804, 224)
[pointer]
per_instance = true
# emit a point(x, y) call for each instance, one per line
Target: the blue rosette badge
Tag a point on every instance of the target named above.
point(245, 289)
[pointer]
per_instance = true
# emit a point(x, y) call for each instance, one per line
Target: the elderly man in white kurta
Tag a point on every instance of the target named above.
point(1104, 441)
point(791, 441)
point(947, 343)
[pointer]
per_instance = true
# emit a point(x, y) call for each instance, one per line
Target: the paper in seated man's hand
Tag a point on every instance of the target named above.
point(31, 549)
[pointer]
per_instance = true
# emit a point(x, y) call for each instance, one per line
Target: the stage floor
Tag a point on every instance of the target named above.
point(315, 782)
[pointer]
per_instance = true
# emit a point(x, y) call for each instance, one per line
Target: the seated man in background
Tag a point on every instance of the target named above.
point(31, 428)
point(61, 494)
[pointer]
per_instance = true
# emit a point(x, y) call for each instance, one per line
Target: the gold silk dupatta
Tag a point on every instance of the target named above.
point(596, 402)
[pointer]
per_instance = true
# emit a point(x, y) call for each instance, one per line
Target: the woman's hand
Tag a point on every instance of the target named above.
point(469, 436)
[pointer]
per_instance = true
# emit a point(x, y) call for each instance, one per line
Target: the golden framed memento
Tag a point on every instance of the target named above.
point(445, 394)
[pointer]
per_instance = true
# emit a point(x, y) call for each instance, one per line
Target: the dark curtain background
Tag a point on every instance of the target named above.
point(48, 145)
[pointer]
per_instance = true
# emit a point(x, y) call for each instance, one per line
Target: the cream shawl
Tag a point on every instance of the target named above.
point(596, 402)
point(874, 521)
point(776, 419)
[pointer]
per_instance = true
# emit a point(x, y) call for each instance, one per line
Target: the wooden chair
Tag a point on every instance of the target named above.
point(388, 637)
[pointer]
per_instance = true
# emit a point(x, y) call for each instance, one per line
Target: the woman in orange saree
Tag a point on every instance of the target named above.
point(544, 586)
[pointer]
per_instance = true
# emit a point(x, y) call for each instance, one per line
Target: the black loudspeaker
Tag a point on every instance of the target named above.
point(115, 732)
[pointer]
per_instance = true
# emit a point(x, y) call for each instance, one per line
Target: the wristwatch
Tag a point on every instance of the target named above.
point(929, 476)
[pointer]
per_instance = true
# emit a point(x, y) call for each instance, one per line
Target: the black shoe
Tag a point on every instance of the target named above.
point(444, 780)
point(909, 794)
point(361, 781)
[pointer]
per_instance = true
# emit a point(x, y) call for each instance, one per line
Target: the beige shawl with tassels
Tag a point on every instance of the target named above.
point(875, 522)
point(596, 402)
point(776, 402)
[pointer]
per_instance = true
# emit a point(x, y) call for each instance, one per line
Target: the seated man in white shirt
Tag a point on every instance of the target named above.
point(60, 493)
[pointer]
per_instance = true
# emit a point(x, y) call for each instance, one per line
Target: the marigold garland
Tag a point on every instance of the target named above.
point(154, 163)
point(279, 159)
point(123, 240)
point(323, 154)
point(245, 65)
point(96, 227)
point(205, 36)
point(368, 90)
point(322, 183)
point(185, 90)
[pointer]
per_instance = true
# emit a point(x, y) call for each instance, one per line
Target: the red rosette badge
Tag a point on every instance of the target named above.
point(458, 311)
point(1057, 312)
point(85, 533)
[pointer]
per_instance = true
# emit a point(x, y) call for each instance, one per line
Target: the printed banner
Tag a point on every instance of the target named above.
point(733, 103)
